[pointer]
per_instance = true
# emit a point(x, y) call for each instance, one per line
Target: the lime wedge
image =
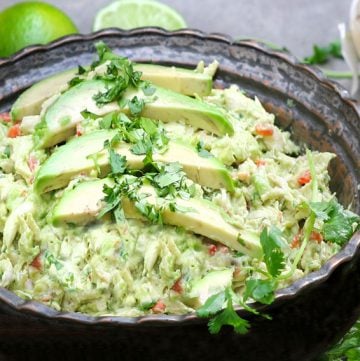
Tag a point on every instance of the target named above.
point(129, 14)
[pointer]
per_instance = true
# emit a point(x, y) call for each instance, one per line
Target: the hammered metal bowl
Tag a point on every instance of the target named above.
point(308, 316)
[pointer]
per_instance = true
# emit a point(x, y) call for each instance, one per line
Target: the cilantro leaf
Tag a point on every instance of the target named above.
point(75, 81)
point(202, 151)
point(322, 54)
point(148, 89)
point(169, 174)
point(339, 223)
point(88, 115)
point(212, 305)
point(119, 75)
point(136, 105)
point(112, 200)
point(260, 290)
point(271, 243)
point(119, 214)
point(81, 70)
point(117, 162)
point(348, 348)
point(228, 317)
point(149, 211)
point(107, 121)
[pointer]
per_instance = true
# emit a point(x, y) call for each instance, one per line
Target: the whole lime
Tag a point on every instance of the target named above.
point(30, 23)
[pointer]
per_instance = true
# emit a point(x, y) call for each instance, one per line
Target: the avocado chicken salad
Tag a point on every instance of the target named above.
point(130, 189)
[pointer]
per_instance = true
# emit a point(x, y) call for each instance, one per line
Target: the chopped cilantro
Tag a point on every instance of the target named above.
point(149, 211)
point(119, 75)
point(7, 151)
point(260, 290)
point(322, 54)
point(88, 115)
point(50, 259)
point(107, 121)
point(214, 306)
point(339, 223)
point(117, 163)
point(81, 70)
point(202, 151)
point(148, 89)
point(75, 81)
point(271, 243)
point(136, 105)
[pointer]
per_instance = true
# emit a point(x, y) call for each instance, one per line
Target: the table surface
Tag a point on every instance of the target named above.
point(297, 24)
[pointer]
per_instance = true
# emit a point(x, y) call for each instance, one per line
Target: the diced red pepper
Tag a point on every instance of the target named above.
point(5, 117)
point(260, 162)
point(33, 163)
point(79, 130)
point(177, 287)
point(265, 130)
point(296, 241)
point(36, 262)
point(14, 131)
point(304, 178)
point(212, 249)
point(159, 307)
point(316, 236)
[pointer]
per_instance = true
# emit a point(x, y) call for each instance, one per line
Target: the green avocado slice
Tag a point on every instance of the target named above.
point(82, 204)
point(62, 116)
point(181, 80)
point(30, 101)
point(83, 155)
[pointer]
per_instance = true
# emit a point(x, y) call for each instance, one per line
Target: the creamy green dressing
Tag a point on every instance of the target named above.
point(123, 269)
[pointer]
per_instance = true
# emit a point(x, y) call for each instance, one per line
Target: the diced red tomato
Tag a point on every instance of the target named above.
point(5, 117)
point(316, 236)
point(159, 307)
point(212, 249)
point(265, 130)
point(304, 178)
point(177, 287)
point(260, 162)
point(296, 241)
point(36, 262)
point(79, 130)
point(14, 131)
point(33, 163)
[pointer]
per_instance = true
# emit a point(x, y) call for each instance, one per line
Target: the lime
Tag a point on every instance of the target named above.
point(129, 14)
point(30, 23)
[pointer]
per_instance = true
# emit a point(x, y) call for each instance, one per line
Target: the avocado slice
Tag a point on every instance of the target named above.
point(75, 157)
point(181, 80)
point(83, 203)
point(60, 119)
point(212, 283)
point(30, 101)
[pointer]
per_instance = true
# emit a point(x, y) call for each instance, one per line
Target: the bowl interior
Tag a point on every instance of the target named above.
point(316, 112)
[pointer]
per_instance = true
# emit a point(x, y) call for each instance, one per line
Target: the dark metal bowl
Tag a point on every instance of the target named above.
point(309, 315)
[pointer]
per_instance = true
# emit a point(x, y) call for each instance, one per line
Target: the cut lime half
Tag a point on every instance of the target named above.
point(130, 14)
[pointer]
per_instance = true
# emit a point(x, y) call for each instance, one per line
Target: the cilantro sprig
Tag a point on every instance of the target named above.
point(119, 75)
point(322, 54)
point(339, 223)
point(220, 308)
